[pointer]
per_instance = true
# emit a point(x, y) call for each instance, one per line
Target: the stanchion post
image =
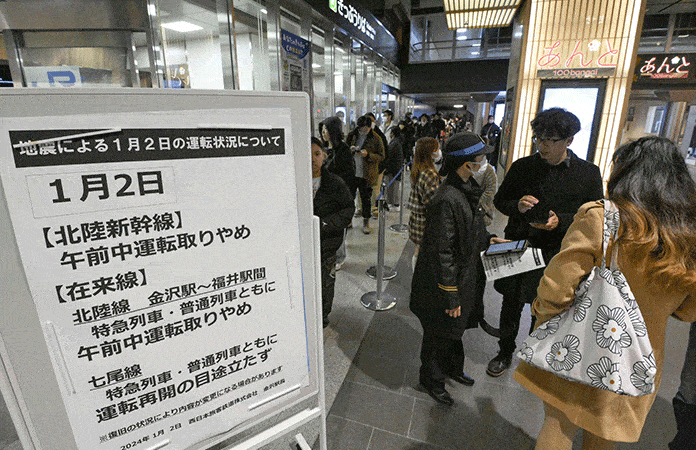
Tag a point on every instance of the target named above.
point(401, 193)
point(380, 245)
point(400, 227)
point(387, 272)
point(379, 301)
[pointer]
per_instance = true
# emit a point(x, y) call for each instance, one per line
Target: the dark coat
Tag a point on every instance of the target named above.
point(395, 157)
point(449, 272)
point(565, 187)
point(341, 162)
point(334, 206)
point(424, 130)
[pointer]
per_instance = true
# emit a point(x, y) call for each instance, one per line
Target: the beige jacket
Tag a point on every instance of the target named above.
point(603, 413)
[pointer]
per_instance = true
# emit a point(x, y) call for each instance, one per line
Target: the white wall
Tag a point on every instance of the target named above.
point(205, 63)
point(245, 62)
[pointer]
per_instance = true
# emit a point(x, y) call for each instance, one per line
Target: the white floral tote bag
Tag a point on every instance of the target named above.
point(601, 340)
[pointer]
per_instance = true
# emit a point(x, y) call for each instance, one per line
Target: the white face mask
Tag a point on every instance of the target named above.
point(437, 155)
point(478, 175)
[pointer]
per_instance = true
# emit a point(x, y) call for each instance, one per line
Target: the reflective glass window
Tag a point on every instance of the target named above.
point(191, 44)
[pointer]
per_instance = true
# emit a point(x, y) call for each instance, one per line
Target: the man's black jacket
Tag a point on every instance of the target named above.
point(565, 187)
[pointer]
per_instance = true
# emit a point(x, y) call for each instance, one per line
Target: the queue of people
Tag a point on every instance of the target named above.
point(554, 201)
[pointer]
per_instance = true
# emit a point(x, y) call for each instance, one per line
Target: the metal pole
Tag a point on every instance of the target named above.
point(387, 272)
point(400, 227)
point(379, 301)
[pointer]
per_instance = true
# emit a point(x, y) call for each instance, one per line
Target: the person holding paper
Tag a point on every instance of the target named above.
point(448, 280)
point(540, 195)
point(334, 206)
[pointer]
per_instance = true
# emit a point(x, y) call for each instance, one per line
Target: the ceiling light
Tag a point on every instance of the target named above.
point(181, 26)
point(152, 10)
point(480, 13)
point(315, 66)
point(263, 11)
point(458, 106)
point(461, 38)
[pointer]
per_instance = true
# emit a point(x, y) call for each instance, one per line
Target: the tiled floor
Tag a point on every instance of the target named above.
point(372, 401)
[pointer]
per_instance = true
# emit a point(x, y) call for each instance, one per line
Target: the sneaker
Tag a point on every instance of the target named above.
point(367, 229)
point(395, 208)
point(338, 266)
point(498, 365)
point(358, 213)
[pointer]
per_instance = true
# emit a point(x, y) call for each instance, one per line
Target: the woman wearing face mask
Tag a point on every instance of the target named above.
point(449, 279)
point(424, 182)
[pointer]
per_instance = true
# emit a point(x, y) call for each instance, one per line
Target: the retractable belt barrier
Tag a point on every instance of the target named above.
point(401, 227)
point(378, 300)
point(387, 273)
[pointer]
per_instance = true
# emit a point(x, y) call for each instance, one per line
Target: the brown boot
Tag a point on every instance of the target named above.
point(366, 226)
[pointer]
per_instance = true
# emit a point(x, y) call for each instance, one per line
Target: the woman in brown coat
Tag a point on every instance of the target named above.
point(368, 150)
point(656, 197)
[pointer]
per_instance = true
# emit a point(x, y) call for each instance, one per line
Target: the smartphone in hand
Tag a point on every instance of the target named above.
point(506, 247)
point(539, 213)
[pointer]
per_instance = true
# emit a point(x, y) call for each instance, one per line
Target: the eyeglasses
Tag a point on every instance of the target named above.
point(546, 141)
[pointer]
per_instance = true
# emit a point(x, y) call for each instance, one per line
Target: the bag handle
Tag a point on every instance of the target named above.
point(611, 227)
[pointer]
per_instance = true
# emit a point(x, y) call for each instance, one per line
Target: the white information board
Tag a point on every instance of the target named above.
point(162, 239)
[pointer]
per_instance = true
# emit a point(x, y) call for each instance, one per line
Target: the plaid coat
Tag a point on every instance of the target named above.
point(421, 193)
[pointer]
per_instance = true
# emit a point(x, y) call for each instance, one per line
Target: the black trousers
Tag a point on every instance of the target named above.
point(328, 283)
point(440, 357)
point(517, 290)
point(365, 191)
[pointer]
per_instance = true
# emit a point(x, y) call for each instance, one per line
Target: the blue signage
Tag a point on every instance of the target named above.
point(294, 44)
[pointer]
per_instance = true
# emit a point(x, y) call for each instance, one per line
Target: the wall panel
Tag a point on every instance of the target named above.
point(578, 34)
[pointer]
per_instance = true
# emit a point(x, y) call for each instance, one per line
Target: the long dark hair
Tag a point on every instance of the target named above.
point(334, 125)
point(423, 157)
point(651, 185)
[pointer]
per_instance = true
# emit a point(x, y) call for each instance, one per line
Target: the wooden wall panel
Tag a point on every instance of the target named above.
point(562, 25)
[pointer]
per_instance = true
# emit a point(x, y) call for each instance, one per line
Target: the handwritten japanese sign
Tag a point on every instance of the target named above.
point(163, 265)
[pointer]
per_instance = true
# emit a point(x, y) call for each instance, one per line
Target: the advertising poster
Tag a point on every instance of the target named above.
point(164, 265)
point(296, 62)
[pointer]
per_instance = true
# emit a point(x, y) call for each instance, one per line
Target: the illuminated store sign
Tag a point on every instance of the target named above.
point(353, 16)
point(671, 67)
point(602, 55)
point(590, 72)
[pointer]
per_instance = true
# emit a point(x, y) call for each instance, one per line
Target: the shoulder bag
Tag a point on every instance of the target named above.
point(601, 340)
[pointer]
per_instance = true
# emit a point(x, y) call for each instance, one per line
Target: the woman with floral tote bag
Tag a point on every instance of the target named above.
point(656, 198)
